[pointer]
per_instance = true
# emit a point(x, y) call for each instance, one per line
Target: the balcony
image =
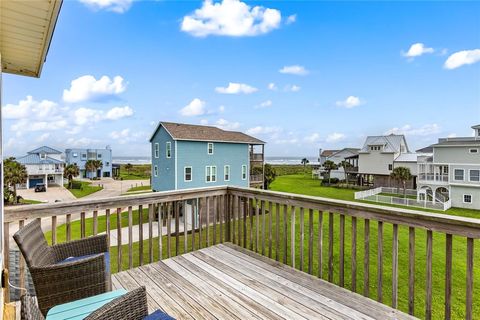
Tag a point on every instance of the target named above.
point(256, 178)
point(433, 177)
point(231, 253)
point(256, 157)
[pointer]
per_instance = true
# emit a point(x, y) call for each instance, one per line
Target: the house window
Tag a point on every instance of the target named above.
point(169, 150)
point(390, 167)
point(467, 198)
point(210, 148)
point(155, 171)
point(84, 156)
point(43, 156)
point(157, 150)
point(475, 175)
point(99, 156)
point(107, 164)
point(226, 172)
point(244, 172)
point(475, 150)
point(375, 148)
point(74, 154)
point(187, 174)
point(458, 174)
point(210, 174)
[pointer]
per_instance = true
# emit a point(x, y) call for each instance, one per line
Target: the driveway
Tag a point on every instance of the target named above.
point(113, 188)
point(52, 194)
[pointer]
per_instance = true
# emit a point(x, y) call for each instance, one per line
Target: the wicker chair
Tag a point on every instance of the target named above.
point(58, 278)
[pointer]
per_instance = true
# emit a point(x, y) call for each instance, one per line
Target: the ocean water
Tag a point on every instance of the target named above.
point(270, 160)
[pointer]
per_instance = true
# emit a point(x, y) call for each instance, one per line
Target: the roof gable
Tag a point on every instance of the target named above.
point(392, 143)
point(190, 132)
point(45, 149)
point(34, 158)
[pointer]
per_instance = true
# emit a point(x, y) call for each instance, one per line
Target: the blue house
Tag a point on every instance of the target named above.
point(44, 166)
point(192, 156)
point(80, 157)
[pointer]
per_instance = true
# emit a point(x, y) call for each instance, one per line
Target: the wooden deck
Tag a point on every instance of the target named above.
point(229, 282)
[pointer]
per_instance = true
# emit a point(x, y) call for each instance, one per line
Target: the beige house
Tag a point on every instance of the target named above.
point(452, 173)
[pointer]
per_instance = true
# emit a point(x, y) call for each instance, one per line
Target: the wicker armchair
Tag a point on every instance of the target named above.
point(58, 278)
point(29, 309)
point(131, 306)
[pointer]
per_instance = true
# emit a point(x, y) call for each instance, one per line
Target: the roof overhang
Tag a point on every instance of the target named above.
point(26, 30)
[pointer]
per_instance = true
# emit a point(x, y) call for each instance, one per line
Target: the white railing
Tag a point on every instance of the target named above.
point(408, 192)
point(367, 193)
point(433, 177)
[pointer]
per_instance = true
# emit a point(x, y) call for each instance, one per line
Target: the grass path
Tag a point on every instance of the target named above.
point(85, 190)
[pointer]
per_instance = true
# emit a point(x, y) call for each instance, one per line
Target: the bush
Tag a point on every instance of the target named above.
point(76, 184)
point(350, 186)
point(290, 169)
point(333, 181)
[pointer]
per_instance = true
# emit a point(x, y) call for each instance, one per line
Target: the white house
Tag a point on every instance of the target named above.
point(44, 165)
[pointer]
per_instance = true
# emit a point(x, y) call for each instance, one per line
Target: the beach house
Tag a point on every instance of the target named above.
point(193, 156)
point(44, 166)
point(452, 172)
point(81, 156)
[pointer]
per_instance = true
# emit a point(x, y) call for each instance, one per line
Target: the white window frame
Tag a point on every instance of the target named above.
point(185, 174)
point(168, 150)
point(390, 167)
point(208, 148)
point(244, 172)
point(225, 177)
point(469, 195)
point(210, 175)
point(474, 152)
point(470, 175)
point(74, 154)
point(454, 174)
point(155, 171)
point(43, 155)
point(83, 156)
point(156, 150)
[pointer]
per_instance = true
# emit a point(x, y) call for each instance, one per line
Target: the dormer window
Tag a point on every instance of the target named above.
point(43, 156)
point(375, 148)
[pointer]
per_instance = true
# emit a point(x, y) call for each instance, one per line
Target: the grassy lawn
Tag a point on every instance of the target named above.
point(397, 195)
point(29, 201)
point(138, 172)
point(85, 190)
point(140, 188)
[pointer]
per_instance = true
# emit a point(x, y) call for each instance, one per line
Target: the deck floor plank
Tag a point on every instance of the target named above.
point(229, 282)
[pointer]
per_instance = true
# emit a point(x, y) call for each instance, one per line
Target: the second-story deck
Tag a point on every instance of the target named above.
point(231, 250)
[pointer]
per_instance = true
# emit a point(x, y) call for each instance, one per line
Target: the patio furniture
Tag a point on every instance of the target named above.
point(64, 272)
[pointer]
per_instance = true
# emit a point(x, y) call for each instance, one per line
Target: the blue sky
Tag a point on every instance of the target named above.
point(299, 75)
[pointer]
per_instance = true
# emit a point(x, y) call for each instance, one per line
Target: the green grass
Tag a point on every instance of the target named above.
point(138, 172)
point(140, 188)
point(29, 201)
point(85, 190)
point(396, 195)
point(283, 169)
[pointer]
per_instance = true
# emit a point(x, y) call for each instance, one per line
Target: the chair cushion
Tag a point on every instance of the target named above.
point(106, 255)
point(158, 315)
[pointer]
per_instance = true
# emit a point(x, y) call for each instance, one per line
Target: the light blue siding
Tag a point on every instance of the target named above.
point(165, 180)
point(194, 154)
point(74, 156)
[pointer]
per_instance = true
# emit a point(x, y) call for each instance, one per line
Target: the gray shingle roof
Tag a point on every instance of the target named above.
point(35, 159)
point(391, 143)
point(45, 149)
point(180, 131)
point(458, 142)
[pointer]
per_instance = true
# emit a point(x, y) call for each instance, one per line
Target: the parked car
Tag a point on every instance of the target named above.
point(40, 187)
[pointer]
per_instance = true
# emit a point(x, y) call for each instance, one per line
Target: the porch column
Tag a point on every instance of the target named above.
point(46, 181)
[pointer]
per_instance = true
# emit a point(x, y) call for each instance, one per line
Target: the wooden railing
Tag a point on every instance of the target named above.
point(342, 242)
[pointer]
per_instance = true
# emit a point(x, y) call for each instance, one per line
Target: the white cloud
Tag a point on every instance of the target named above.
point(408, 130)
point(203, 122)
point(313, 138)
point(118, 113)
point(350, 102)
point(29, 107)
point(263, 130)
point(195, 108)
point(286, 141)
point(227, 125)
point(221, 109)
point(335, 137)
point(416, 50)
point(291, 19)
point(117, 6)
point(236, 88)
point(87, 88)
point(272, 86)
point(81, 142)
point(452, 135)
point(292, 88)
point(43, 137)
point(231, 18)
point(264, 104)
point(462, 58)
point(126, 135)
point(294, 69)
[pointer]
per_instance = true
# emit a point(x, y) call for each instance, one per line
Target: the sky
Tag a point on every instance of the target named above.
point(300, 75)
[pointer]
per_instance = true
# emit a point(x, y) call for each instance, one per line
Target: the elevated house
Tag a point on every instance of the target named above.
point(193, 156)
point(349, 155)
point(452, 173)
point(81, 156)
point(44, 165)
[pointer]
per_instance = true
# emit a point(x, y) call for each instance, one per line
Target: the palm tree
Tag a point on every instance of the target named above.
point(128, 167)
point(305, 162)
point(329, 165)
point(345, 165)
point(402, 174)
point(14, 174)
point(90, 166)
point(71, 171)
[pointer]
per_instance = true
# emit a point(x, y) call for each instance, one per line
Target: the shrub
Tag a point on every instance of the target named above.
point(332, 182)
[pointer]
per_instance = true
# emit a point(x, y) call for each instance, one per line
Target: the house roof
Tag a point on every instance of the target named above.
point(391, 143)
point(190, 132)
point(353, 151)
point(26, 32)
point(407, 157)
point(45, 149)
point(457, 142)
point(428, 149)
point(328, 153)
point(34, 158)
point(476, 127)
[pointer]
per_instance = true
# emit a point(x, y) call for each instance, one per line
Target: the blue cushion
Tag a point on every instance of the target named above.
point(158, 315)
point(106, 255)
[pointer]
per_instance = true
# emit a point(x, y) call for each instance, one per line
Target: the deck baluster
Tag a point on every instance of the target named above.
point(411, 270)
point(310, 241)
point(140, 235)
point(320, 243)
point(380, 262)
point(354, 254)
point(395, 267)
point(330, 247)
point(54, 230)
point(341, 270)
point(469, 293)
point(428, 287)
point(302, 236)
point(119, 239)
point(366, 260)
